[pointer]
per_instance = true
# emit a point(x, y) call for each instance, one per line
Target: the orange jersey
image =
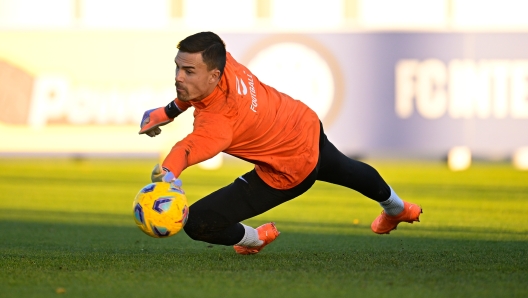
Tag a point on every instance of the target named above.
point(254, 122)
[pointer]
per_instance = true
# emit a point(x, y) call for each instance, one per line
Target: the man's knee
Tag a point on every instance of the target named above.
point(204, 224)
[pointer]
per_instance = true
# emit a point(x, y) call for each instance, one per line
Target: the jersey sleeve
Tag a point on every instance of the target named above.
point(182, 105)
point(211, 135)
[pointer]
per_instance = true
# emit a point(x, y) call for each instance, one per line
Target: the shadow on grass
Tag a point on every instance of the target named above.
point(95, 258)
point(111, 220)
point(86, 233)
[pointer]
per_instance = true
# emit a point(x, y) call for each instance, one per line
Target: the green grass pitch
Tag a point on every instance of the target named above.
point(66, 229)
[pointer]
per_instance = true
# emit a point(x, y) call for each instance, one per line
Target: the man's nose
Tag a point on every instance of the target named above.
point(178, 77)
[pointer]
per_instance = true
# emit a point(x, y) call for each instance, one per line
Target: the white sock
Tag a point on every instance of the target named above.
point(251, 238)
point(393, 205)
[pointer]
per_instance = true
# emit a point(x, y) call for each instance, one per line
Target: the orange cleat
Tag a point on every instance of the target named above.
point(385, 223)
point(266, 232)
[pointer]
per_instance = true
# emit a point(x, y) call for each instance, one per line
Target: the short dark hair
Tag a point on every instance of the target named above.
point(210, 45)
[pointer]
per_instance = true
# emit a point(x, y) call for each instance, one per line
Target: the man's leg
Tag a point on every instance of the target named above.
point(335, 167)
point(216, 218)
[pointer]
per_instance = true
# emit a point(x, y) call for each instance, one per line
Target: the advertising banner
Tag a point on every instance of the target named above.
point(377, 93)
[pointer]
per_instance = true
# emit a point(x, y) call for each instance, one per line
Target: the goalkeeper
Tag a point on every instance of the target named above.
point(237, 114)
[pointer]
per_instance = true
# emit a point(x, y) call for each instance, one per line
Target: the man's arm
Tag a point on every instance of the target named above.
point(212, 134)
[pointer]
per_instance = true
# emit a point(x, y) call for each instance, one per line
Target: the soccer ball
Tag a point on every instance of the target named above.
point(160, 209)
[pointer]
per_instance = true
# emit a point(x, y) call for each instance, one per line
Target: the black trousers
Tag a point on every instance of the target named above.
point(216, 218)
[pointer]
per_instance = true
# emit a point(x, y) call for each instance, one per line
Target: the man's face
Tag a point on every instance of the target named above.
point(193, 81)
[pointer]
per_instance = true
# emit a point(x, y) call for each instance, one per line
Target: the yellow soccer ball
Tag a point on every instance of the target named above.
point(161, 209)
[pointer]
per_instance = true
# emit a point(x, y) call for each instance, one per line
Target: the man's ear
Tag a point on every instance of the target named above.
point(214, 75)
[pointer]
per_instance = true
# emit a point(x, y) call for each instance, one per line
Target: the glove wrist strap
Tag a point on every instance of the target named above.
point(172, 110)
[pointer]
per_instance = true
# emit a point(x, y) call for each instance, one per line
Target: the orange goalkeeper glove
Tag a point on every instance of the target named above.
point(153, 119)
